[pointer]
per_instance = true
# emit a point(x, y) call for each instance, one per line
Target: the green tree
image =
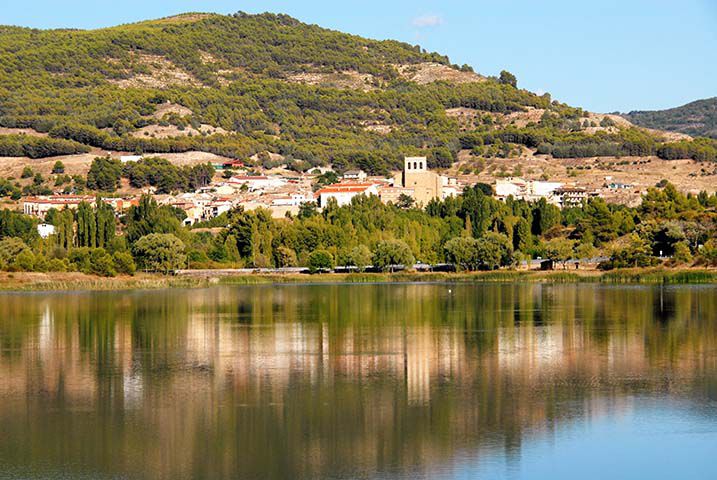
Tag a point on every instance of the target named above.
point(522, 238)
point(159, 252)
point(636, 253)
point(10, 248)
point(391, 253)
point(560, 250)
point(320, 260)
point(507, 78)
point(58, 168)
point(148, 217)
point(360, 257)
point(405, 201)
point(285, 257)
point(463, 252)
point(105, 174)
point(102, 263)
point(124, 263)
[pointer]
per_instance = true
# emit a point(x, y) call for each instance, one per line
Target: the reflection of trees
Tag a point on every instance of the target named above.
point(303, 381)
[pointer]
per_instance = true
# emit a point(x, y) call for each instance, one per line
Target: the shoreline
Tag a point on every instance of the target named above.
point(68, 281)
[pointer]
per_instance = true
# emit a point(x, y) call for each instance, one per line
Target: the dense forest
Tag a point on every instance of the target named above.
point(697, 118)
point(237, 74)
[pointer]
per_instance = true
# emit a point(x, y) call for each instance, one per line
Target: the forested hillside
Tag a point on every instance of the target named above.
point(242, 84)
point(696, 118)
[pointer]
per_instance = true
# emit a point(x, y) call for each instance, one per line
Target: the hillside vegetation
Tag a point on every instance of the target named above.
point(242, 84)
point(696, 118)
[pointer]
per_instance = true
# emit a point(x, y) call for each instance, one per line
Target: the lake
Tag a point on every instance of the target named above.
point(390, 381)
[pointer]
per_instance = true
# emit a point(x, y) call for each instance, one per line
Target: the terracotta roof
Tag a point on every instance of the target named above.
point(345, 188)
point(60, 200)
point(248, 177)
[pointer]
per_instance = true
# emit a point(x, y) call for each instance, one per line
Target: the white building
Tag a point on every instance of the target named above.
point(293, 200)
point(45, 230)
point(130, 158)
point(258, 182)
point(358, 176)
point(522, 189)
point(344, 192)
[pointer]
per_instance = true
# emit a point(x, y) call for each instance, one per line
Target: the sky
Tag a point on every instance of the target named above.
point(604, 55)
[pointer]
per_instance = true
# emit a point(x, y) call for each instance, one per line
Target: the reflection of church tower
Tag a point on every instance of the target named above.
point(418, 354)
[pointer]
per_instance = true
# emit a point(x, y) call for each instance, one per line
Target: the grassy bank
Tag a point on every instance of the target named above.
point(22, 281)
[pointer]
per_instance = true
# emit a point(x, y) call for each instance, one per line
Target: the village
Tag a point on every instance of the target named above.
point(238, 185)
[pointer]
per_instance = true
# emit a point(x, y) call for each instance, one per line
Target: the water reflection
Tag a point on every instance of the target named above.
point(335, 381)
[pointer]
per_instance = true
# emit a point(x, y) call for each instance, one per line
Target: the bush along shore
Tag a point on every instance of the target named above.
point(62, 281)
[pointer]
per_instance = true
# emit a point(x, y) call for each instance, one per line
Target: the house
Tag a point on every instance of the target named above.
point(39, 206)
point(522, 189)
point(45, 230)
point(216, 207)
point(618, 186)
point(570, 196)
point(293, 200)
point(358, 176)
point(232, 164)
point(257, 182)
point(389, 194)
point(344, 192)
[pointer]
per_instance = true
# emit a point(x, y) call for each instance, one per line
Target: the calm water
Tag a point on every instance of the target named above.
point(361, 381)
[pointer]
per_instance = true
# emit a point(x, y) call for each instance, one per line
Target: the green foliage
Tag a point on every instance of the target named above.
point(10, 249)
point(285, 257)
point(165, 176)
point(508, 78)
point(148, 217)
point(104, 174)
point(124, 263)
point(320, 260)
point(58, 168)
point(560, 250)
point(636, 253)
point(391, 253)
point(360, 257)
point(159, 252)
point(102, 263)
point(15, 224)
point(38, 147)
point(463, 252)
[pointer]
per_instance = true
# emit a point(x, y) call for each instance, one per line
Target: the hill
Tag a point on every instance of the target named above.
point(697, 118)
point(239, 85)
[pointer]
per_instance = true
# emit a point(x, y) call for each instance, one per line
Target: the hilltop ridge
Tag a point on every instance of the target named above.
point(694, 118)
point(239, 85)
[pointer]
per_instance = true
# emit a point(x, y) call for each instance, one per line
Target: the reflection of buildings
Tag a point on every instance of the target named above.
point(397, 375)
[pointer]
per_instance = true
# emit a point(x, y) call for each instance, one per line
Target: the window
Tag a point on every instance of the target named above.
point(420, 165)
point(414, 166)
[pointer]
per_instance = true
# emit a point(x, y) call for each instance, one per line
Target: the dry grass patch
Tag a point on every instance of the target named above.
point(429, 72)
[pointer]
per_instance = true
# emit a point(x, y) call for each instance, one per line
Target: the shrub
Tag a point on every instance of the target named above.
point(124, 263)
point(159, 252)
point(320, 260)
point(101, 263)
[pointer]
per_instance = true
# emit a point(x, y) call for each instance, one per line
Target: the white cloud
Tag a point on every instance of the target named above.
point(428, 20)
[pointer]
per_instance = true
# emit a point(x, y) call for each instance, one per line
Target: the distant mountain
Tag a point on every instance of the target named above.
point(696, 118)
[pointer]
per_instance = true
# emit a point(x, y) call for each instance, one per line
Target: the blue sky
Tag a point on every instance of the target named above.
point(605, 55)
